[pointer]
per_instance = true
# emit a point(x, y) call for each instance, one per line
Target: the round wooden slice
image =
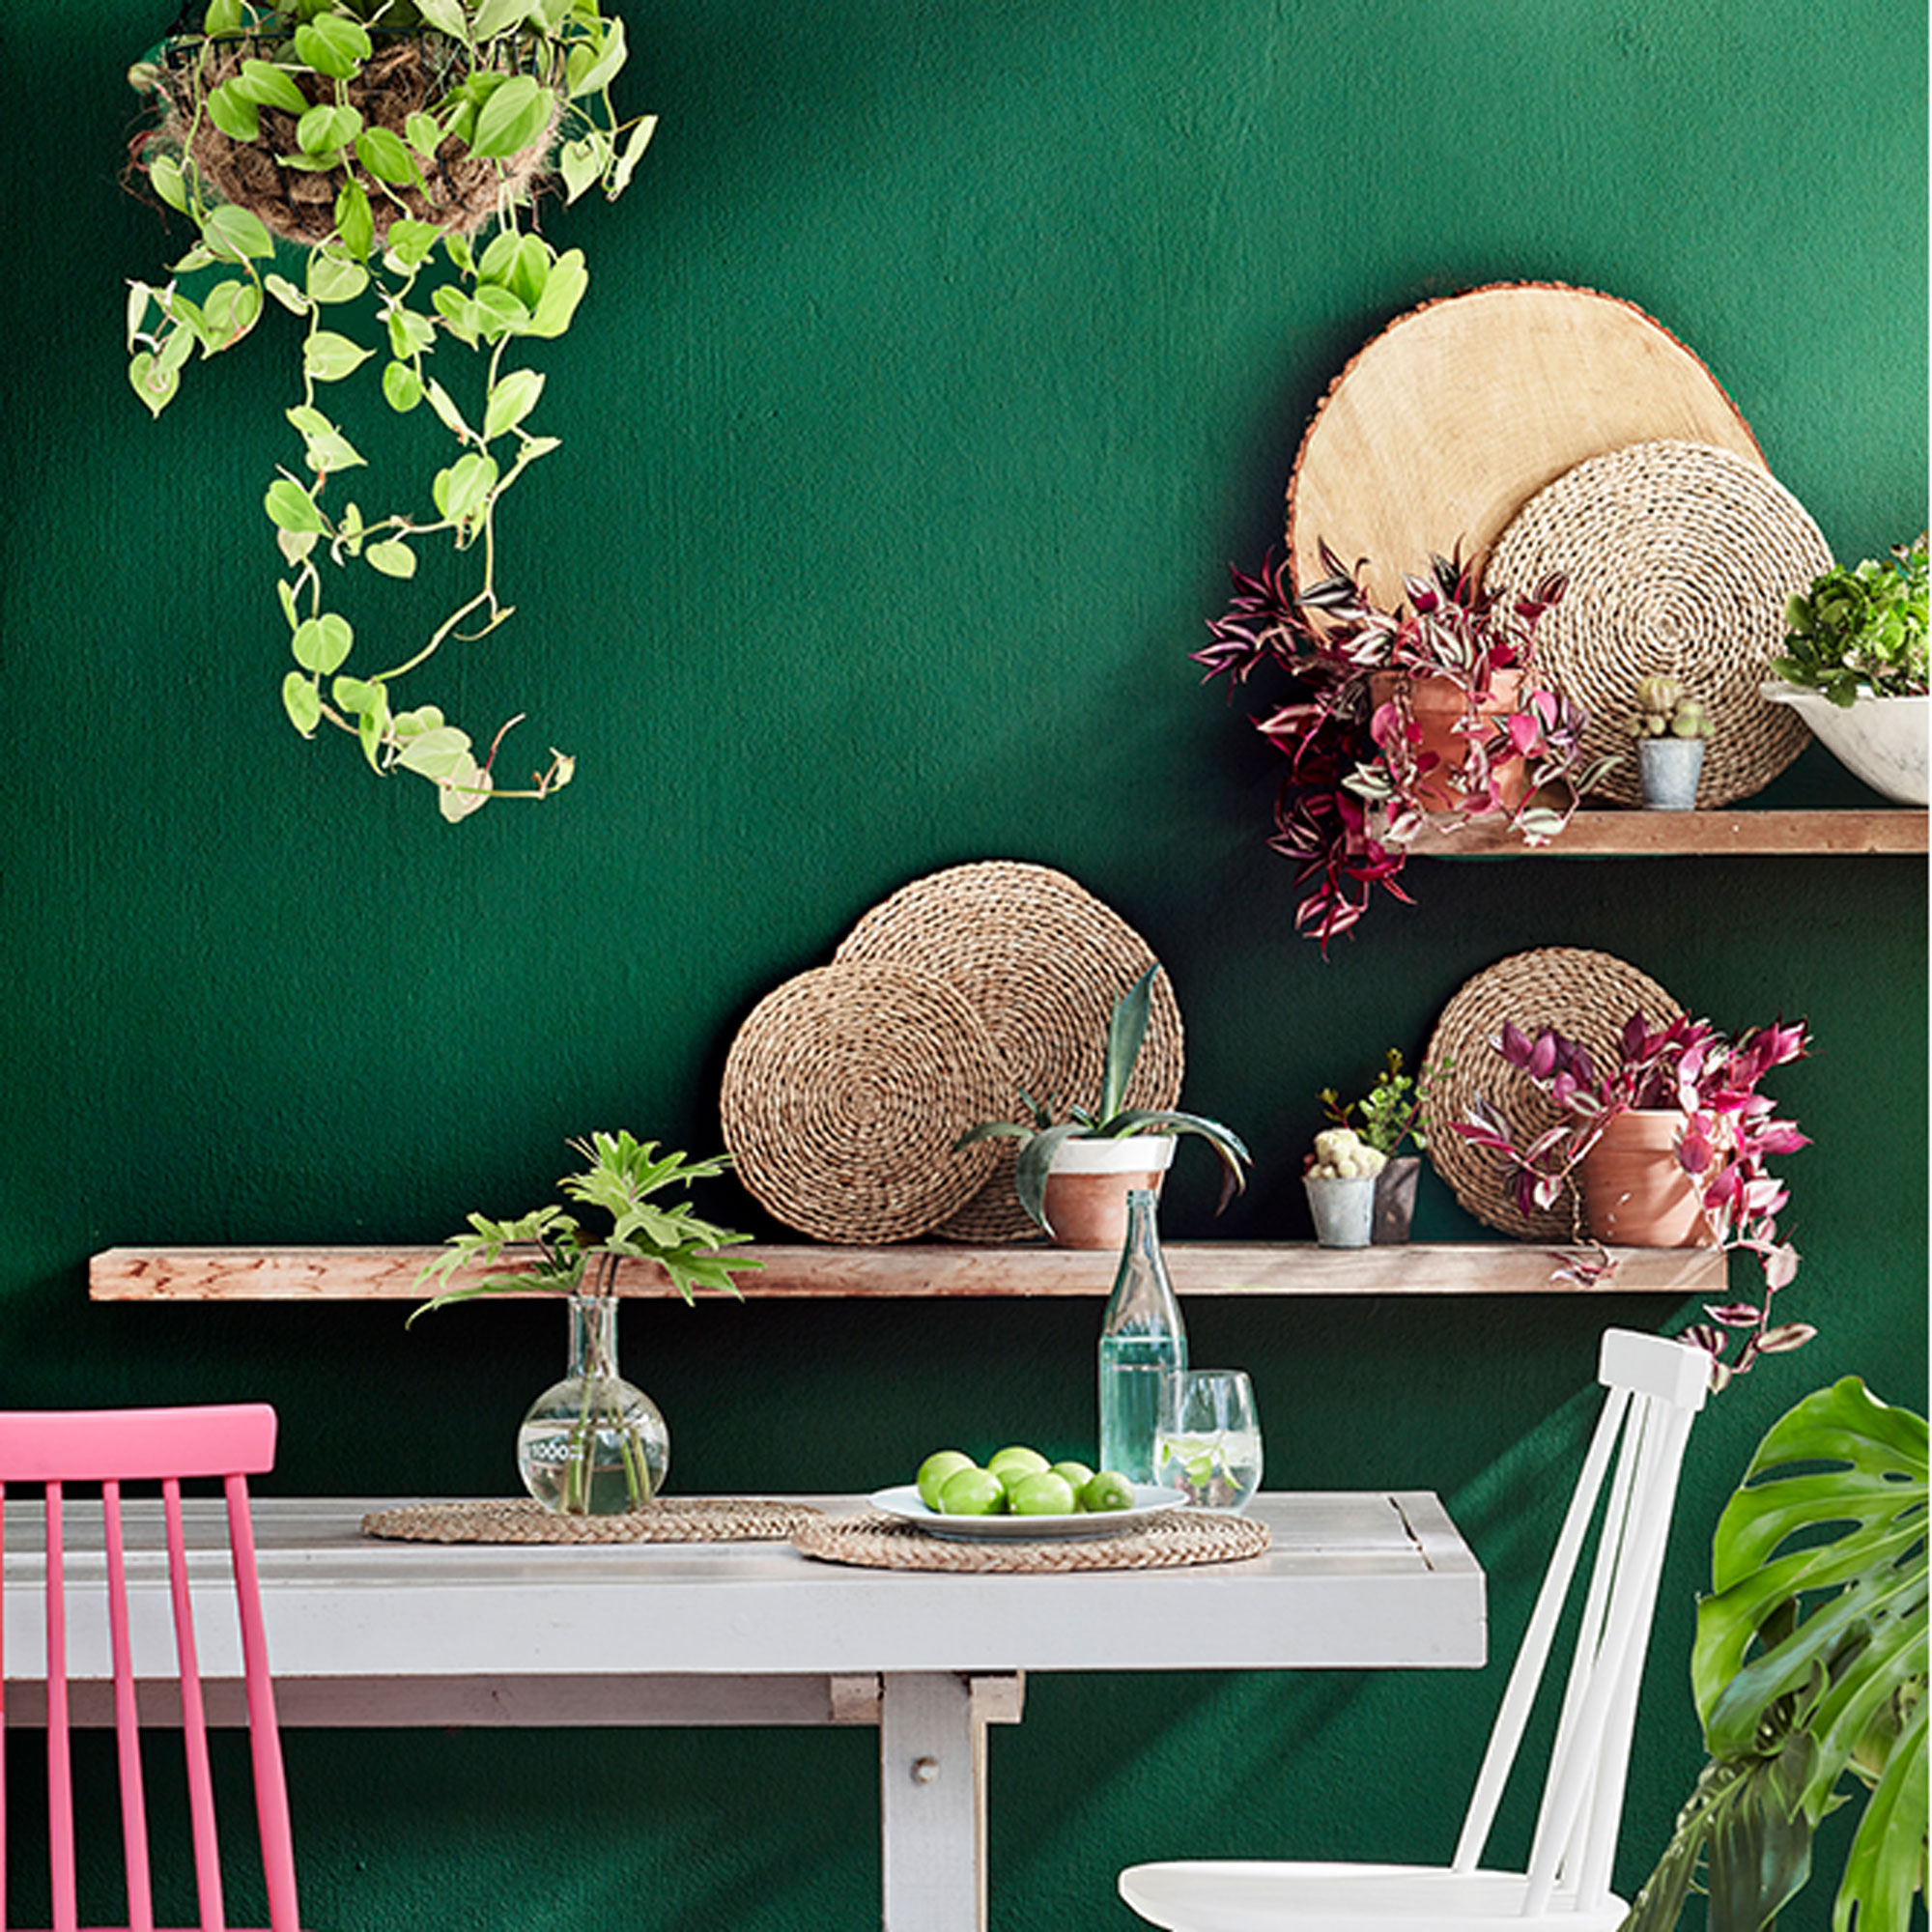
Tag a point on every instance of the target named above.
point(1458, 413)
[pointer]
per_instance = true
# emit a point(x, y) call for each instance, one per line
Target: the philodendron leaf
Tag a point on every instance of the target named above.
point(268, 86)
point(386, 155)
point(446, 412)
point(594, 64)
point(321, 644)
point(515, 117)
point(154, 385)
point(302, 701)
point(333, 45)
point(580, 162)
point(498, 16)
point(327, 358)
point(393, 559)
point(434, 754)
point(465, 790)
point(292, 508)
point(401, 387)
point(234, 113)
point(334, 277)
point(233, 234)
point(223, 16)
point(563, 289)
point(446, 17)
point(633, 154)
point(355, 219)
point(169, 182)
point(463, 489)
point(326, 127)
point(511, 400)
point(287, 294)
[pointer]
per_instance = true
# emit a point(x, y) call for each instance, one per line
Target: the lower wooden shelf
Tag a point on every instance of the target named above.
point(1197, 1267)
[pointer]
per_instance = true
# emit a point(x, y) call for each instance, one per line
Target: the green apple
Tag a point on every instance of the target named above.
point(972, 1492)
point(934, 1471)
point(1108, 1491)
point(1041, 1493)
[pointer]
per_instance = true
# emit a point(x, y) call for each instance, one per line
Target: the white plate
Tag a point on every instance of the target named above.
point(904, 1502)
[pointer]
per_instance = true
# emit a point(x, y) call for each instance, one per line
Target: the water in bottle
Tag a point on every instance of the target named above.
point(1141, 1338)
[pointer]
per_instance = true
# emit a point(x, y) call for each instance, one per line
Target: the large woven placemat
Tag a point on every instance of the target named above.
point(1041, 962)
point(1587, 996)
point(845, 1092)
point(1680, 558)
point(678, 1520)
point(1168, 1541)
point(1446, 423)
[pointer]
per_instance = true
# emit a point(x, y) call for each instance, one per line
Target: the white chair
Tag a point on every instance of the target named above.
point(1655, 1388)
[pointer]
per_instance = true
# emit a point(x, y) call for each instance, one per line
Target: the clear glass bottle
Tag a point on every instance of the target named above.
point(1141, 1338)
point(592, 1444)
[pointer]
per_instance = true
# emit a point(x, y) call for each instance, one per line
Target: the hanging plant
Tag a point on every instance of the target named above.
point(367, 146)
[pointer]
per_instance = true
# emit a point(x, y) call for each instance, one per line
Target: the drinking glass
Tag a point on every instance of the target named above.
point(1207, 1442)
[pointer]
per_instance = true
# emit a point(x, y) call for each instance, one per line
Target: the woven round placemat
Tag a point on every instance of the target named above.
point(1681, 557)
point(1041, 962)
point(845, 1092)
point(1587, 996)
point(1447, 423)
point(677, 1519)
point(1169, 1541)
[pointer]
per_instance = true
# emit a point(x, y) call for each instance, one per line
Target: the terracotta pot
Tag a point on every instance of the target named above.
point(1437, 704)
point(1087, 1187)
point(1634, 1194)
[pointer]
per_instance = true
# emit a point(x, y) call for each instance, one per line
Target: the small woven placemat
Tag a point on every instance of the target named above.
point(1041, 962)
point(1168, 1541)
point(845, 1092)
point(677, 1519)
point(1680, 558)
point(1587, 996)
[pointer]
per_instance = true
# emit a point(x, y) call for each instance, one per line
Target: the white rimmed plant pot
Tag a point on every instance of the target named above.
point(1086, 1186)
point(1881, 740)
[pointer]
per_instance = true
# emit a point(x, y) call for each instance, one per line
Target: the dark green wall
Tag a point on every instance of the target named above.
point(938, 363)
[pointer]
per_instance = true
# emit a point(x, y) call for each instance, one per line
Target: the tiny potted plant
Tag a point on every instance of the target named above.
point(370, 167)
point(1855, 668)
point(592, 1444)
point(1672, 730)
point(1341, 1177)
point(1394, 717)
point(1389, 1118)
point(1665, 1148)
point(1808, 1672)
point(1073, 1175)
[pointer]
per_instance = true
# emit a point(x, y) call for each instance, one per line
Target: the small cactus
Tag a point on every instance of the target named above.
point(1663, 709)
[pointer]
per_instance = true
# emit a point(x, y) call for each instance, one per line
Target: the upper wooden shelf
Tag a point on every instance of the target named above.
point(1197, 1267)
point(1664, 835)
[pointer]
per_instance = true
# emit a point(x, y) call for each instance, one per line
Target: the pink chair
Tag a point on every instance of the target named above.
point(109, 1447)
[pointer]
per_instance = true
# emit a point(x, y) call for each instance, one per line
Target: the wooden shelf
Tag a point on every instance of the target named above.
point(1197, 1267)
point(1665, 834)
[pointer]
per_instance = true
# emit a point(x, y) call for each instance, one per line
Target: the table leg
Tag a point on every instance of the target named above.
point(932, 1796)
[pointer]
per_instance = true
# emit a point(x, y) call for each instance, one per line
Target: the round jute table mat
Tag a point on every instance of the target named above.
point(1680, 560)
point(1583, 994)
point(1041, 962)
point(1168, 1541)
point(844, 1092)
point(678, 1520)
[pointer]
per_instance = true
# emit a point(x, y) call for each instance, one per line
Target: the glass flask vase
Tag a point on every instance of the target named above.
point(592, 1444)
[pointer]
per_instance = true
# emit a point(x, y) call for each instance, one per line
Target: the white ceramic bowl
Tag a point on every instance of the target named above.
point(1881, 740)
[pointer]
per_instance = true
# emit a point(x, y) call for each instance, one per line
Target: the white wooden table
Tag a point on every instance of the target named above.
point(366, 1633)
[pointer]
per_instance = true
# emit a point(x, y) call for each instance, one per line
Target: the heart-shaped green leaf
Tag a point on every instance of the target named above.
point(302, 701)
point(401, 387)
point(327, 358)
point(322, 643)
point(515, 117)
point(386, 155)
point(292, 508)
point(333, 45)
point(511, 400)
point(392, 558)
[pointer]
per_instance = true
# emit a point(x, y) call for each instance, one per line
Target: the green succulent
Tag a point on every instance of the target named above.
point(1860, 630)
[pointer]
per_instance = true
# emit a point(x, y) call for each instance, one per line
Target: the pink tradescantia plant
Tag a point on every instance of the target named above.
point(1352, 800)
point(1728, 1130)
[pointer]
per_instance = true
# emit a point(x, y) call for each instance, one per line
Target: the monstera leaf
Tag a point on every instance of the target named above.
point(1809, 1670)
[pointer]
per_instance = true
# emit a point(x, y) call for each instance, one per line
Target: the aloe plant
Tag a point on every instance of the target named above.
point(508, 95)
point(1809, 1673)
point(1109, 1117)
